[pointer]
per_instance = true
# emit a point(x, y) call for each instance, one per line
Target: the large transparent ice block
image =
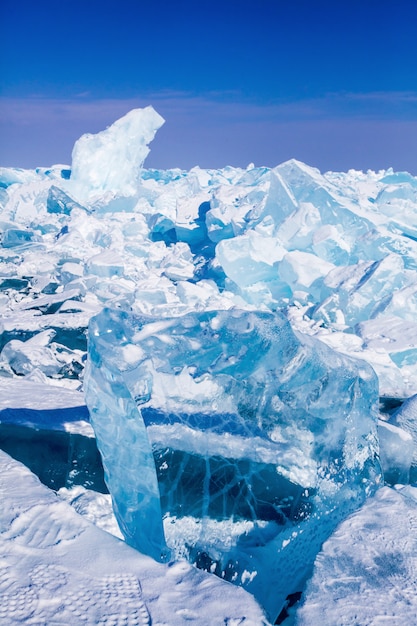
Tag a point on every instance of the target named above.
point(230, 440)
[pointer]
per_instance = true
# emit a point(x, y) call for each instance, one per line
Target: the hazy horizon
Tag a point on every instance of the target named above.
point(331, 84)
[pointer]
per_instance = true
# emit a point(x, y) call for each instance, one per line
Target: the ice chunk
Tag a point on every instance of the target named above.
point(234, 208)
point(396, 452)
point(26, 202)
point(397, 338)
point(383, 278)
point(39, 352)
point(401, 303)
point(50, 303)
point(392, 177)
point(399, 200)
point(106, 264)
point(229, 440)
point(308, 185)
point(70, 271)
point(15, 237)
point(406, 418)
point(249, 258)
point(361, 291)
point(24, 356)
point(178, 262)
point(304, 271)
point(280, 202)
point(296, 231)
point(59, 202)
point(329, 243)
point(11, 175)
point(110, 161)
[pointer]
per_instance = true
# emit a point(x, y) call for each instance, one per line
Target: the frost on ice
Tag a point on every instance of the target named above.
point(230, 440)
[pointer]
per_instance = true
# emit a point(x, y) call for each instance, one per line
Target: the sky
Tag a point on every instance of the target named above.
point(331, 83)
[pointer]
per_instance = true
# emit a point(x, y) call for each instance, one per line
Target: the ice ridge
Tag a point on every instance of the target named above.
point(289, 252)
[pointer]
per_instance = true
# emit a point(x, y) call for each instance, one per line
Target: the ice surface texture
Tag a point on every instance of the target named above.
point(366, 572)
point(230, 440)
point(406, 418)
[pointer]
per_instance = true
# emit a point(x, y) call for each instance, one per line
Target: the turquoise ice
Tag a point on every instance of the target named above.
point(230, 440)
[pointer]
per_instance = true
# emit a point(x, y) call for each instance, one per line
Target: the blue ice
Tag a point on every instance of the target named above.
point(230, 440)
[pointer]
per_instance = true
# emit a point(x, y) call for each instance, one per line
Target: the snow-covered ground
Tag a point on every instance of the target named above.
point(59, 568)
point(366, 572)
point(334, 253)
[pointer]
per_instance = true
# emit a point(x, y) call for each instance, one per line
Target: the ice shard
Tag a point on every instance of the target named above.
point(111, 160)
point(230, 440)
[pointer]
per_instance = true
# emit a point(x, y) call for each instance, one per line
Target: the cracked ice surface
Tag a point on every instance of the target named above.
point(230, 440)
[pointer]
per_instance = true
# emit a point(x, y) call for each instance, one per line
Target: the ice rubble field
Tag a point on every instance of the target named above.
point(243, 324)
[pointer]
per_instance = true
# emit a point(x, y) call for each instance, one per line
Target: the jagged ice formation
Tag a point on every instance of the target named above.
point(330, 256)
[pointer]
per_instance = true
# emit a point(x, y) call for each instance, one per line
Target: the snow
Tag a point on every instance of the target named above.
point(366, 572)
point(334, 253)
point(59, 568)
point(40, 406)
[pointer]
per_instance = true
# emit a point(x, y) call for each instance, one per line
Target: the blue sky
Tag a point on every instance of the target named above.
point(333, 84)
